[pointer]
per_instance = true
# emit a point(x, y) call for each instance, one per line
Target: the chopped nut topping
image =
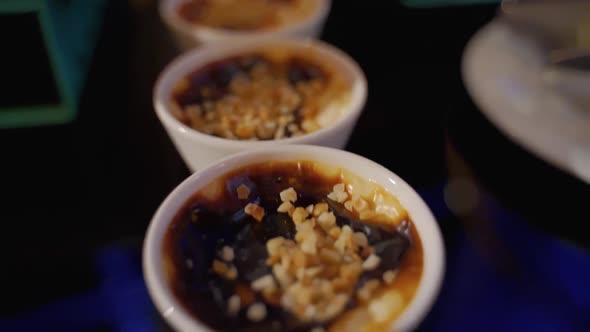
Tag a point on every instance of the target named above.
point(220, 267)
point(255, 210)
point(371, 262)
point(233, 305)
point(338, 188)
point(341, 197)
point(338, 195)
point(227, 253)
point(264, 283)
point(299, 215)
point(330, 256)
point(349, 188)
point(334, 232)
point(360, 239)
point(289, 195)
point(243, 191)
point(320, 208)
point(256, 312)
point(286, 207)
point(344, 241)
point(326, 220)
point(309, 245)
point(282, 276)
point(314, 275)
point(273, 245)
point(224, 270)
point(360, 204)
point(365, 292)
point(317, 272)
point(389, 276)
point(348, 205)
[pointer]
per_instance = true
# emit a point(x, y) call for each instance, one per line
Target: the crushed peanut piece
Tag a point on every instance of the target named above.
point(334, 232)
point(224, 270)
point(360, 204)
point(309, 245)
point(371, 262)
point(220, 267)
point(289, 195)
point(341, 197)
point(255, 210)
point(320, 208)
point(334, 307)
point(264, 283)
point(286, 207)
point(360, 239)
point(344, 241)
point(389, 276)
point(332, 196)
point(349, 188)
point(365, 292)
point(339, 194)
point(326, 220)
point(256, 312)
point(243, 191)
point(330, 256)
point(282, 275)
point(309, 209)
point(299, 215)
point(338, 188)
point(273, 245)
point(227, 253)
point(233, 305)
point(348, 205)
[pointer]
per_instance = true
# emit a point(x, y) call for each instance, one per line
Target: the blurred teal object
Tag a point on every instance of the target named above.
point(444, 3)
point(67, 32)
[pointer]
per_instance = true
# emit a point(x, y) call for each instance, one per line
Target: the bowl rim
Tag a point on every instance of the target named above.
point(180, 67)
point(171, 17)
point(422, 218)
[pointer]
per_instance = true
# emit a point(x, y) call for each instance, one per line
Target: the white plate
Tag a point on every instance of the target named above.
point(506, 74)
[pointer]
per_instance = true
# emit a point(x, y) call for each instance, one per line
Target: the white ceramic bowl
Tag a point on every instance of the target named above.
point(509, 77)
point(199, 150)
point(190, 35)
point(425, 224)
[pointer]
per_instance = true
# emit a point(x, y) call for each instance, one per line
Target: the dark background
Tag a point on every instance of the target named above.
point(71, 190)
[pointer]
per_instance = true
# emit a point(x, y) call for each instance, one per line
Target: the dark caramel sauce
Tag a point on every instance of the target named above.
point(216, 76)
point(204, 225)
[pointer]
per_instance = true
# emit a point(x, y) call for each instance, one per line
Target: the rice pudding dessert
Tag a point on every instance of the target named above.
point(293, 246)
point(246, 15)
point(270, 93)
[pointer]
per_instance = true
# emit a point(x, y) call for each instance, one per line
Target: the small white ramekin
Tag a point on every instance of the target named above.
point(199, 150)
point(189, 35)
point(421, 216)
